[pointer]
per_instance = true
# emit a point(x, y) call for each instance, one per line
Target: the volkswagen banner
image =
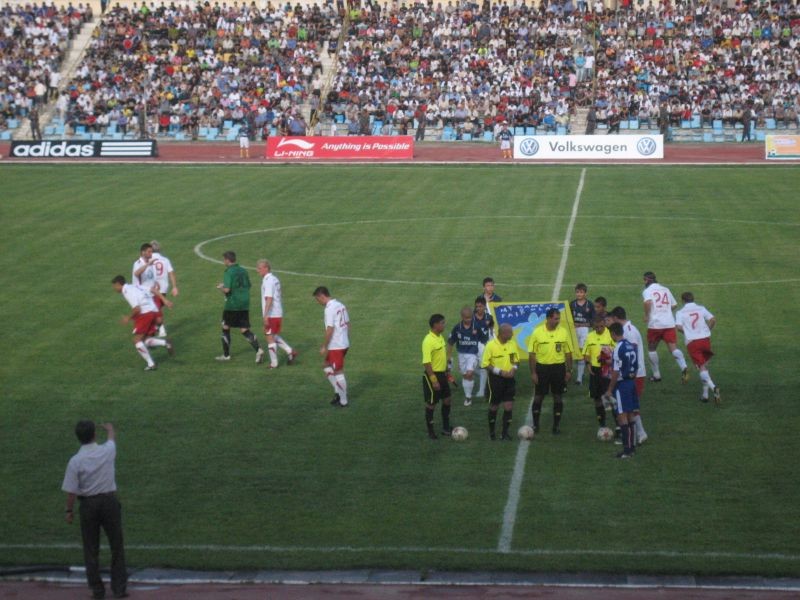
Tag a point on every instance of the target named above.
point(340, 148)
point(589, 147)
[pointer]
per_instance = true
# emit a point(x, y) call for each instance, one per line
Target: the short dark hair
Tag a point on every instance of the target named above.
point(119, 279)
point(229, 255)
point(616, 329)
point(480, 300)
point(599, 321)
point(437, 318)
point(581, 286)
point(619, 313)
point(487, 280)
point(145, 246)
point(601, 301)
point(321, 291)
point(552, 311)
point(84, 430)
point(650, 276)
point(687, 297)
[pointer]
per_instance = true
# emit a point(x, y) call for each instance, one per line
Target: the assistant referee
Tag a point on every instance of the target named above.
point(501, 360)
point(435, 386)
point(550, 359)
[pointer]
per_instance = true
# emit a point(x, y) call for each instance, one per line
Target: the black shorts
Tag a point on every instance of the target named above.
point(598, 385)
point(431, 395)
point(236, 318)
point(552, 379)
point(501, 389)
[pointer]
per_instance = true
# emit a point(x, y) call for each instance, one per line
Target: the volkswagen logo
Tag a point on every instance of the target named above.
point(529, 146)
point(646, 146)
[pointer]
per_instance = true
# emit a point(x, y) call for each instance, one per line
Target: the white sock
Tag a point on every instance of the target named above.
point(162, 331)
point(654, 362)
point(637, 424)
point(467, 384)
point(283, 345)
point(273, 354)
point(679, 358)
point(705, 388)
point(341, 388)
point(581, 367)
point(705, 377)
point(144, 353)
point(481, 382)
point(330, 376)
point(153, 342)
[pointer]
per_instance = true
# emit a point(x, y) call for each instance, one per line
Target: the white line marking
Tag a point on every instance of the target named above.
point(266, 548)
point(510, 511)
point(198, 250)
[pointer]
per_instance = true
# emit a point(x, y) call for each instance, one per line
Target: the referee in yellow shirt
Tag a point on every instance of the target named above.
point(550, 359)
point(435, 386)
point(500, 359)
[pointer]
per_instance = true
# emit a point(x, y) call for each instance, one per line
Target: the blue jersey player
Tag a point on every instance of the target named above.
point(622, 387)
point(482, 320)
point(466, 338)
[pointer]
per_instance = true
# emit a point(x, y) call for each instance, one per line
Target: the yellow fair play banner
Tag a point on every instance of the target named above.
point(782, 147)
point(524, 317)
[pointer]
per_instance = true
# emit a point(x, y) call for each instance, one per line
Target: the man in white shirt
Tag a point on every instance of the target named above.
point(336, 343)
point(144, 314)
point(272, 312)
point(90, 478)
point(696, 323)
point(631, 333)
point(658, 305)
point(164, 276)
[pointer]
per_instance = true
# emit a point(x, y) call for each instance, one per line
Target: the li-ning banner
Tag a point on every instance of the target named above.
point(593, 147)
point(524, 317)
point(344, 147)
point(83, 149)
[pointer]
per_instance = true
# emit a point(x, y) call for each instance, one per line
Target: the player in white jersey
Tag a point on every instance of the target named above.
point(143, 275)
point(272, 312)
point(336, 343)
point(631, 333)
point(165, 275)
point(696, 323)
point(144, 314)
point(658, 305)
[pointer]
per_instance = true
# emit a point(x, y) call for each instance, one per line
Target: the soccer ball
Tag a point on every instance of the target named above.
point(525, 433)
point(604, 434)
point(459, 434)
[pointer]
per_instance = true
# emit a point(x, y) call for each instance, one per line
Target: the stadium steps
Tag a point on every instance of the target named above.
point(578, 121)
point(329, 67)
point(71, 62)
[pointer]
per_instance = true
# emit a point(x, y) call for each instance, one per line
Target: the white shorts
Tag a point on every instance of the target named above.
point(505, 145)
point(244, 142)
point(582, 333)
point(467, 362)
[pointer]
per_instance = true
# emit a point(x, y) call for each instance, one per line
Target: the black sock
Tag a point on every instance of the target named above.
point(506, 421)
point(626, 438)
point(250, 337)
point(429, 418)
point(558, 408)
point(445, 416)
point(226, 342)
point(492, 421)
point(536, 410)
point(601, 413)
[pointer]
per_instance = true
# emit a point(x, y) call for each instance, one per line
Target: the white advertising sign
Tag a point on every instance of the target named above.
point(592, 147)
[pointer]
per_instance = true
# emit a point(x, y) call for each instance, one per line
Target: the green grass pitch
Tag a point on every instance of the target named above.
point(235, 466)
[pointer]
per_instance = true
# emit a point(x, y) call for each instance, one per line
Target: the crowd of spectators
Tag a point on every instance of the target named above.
point(34, 39)
point(704, 61)
point(466, 66)
point(183, 66)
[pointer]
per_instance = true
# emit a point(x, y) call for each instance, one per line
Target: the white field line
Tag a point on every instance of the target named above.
point(256, 548)
point(510, 511)
point(198, 250)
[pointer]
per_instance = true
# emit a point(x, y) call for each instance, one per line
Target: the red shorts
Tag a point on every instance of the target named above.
point(273, 326)
point(335, 359)
point(656, 335)
point(145, 323)
point(700, 351)
point(639, 386)
point(159, 304)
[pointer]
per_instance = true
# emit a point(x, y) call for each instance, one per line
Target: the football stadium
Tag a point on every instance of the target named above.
point(359, 181)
